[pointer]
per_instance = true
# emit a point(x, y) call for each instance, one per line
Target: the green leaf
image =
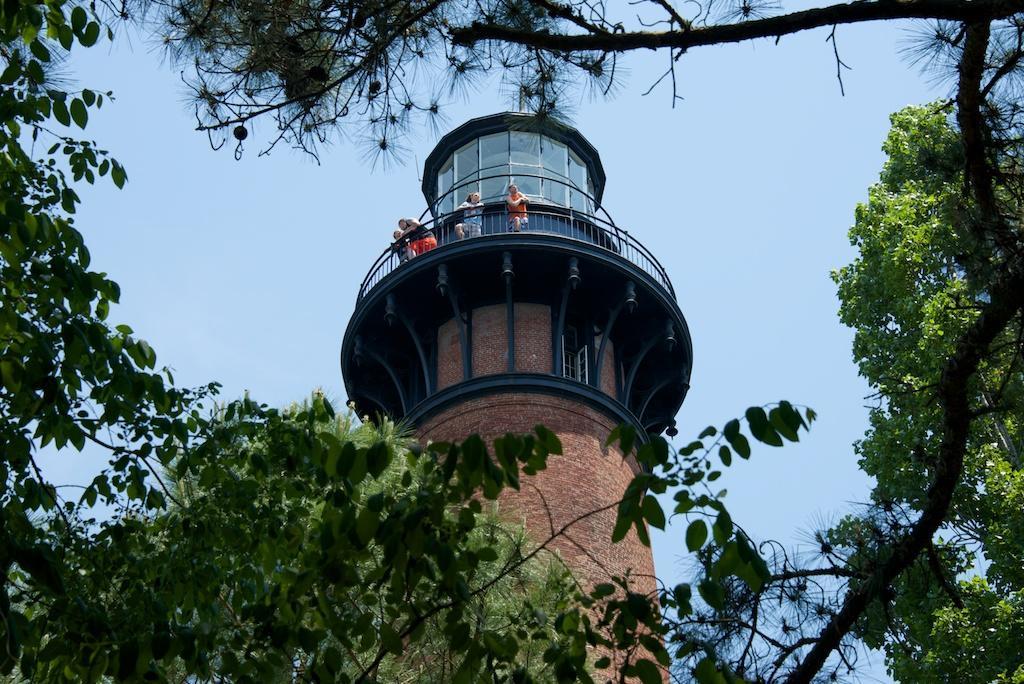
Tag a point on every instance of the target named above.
point(356, 467)
point(79, 113)
point(707, 672)
point(117, 174)
point(332, 460)
point(549, 440)
point(712, 593)
point(39, 51)
point(626, 436)
point(78, 19)
point(761, 428)
point(696, 535)
point(647, 671)
point(65, 36)
point(791, 416)
point(641, 532)
point(11, 74)
point(652, 512)
point(729, 561)
point(11, 374)
point(722, 529)
point(60, 113)
point(736, 439)
point(366, 525)
point(40, 564)
point(34, 72)
point(378, 456)
point(91, 34)
point(623, 524)
point(749, 574)
point(725, 455)
point(775, 417)
point(390, 640)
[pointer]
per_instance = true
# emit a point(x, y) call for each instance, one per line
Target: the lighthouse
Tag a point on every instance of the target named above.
point(569, 322)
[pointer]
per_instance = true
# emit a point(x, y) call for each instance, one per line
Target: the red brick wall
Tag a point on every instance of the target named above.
point(490, 340)
point(585, 478)
point(449, 355)
point(490, 345)
point(533, 338)
point(607, 367)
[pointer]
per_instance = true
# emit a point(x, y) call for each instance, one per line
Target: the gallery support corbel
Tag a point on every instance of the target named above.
point(629, 303)
point(447, 289)
point(394, 378)
point(572, 281)
point(650, 395)
point(668, 336)
point(392, 313)
point(510, 309)
point(360, 353)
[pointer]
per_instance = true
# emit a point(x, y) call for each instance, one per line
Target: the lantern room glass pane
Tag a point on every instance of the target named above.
point(493, 153)
point(463, 190)
point(467, 163)
point(554, 158)
point(578, 178)
point(525, 177)
point(525, 148)
point(493, 189)
point(444, 185)
point(494, 163)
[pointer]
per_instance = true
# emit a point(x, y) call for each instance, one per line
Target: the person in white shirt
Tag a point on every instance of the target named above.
point(472, 217)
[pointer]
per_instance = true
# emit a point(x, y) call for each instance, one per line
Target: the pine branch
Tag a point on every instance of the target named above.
point(770, 27)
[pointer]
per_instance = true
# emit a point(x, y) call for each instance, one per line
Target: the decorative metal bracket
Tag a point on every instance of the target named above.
point(650, 395)
point(391, 313)
point(510, 311)
point(446, 289)
point(572, 281)
point(629, 302)
point(669, 336)
point(394, 378)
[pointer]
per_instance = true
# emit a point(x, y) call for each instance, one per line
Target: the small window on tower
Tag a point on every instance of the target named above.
point(574, 355)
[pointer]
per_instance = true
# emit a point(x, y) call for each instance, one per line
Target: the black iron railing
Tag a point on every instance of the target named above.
point(542, 218)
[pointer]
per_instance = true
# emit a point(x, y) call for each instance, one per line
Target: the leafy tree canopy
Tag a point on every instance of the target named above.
point(919, 282)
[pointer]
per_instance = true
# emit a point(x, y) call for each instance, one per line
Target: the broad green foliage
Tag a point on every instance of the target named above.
point(915, 286)
point(66, 376)
point(292, 549)
point(729, 564)
point(298, 548)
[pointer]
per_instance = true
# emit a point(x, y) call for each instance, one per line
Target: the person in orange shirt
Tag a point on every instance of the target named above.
point(516, 202)
point(422, 240)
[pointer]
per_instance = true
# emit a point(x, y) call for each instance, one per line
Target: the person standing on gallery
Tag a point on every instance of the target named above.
point(472, 217)
point(516, 202)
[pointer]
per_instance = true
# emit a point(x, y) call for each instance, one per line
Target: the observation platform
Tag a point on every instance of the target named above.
point(572, 305)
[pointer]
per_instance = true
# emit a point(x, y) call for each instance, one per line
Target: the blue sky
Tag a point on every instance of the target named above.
point(246, 271)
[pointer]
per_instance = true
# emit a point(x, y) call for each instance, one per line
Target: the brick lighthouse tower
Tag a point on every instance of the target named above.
point(570, 323)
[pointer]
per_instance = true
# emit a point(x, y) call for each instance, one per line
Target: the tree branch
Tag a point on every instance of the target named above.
point(771, 27)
